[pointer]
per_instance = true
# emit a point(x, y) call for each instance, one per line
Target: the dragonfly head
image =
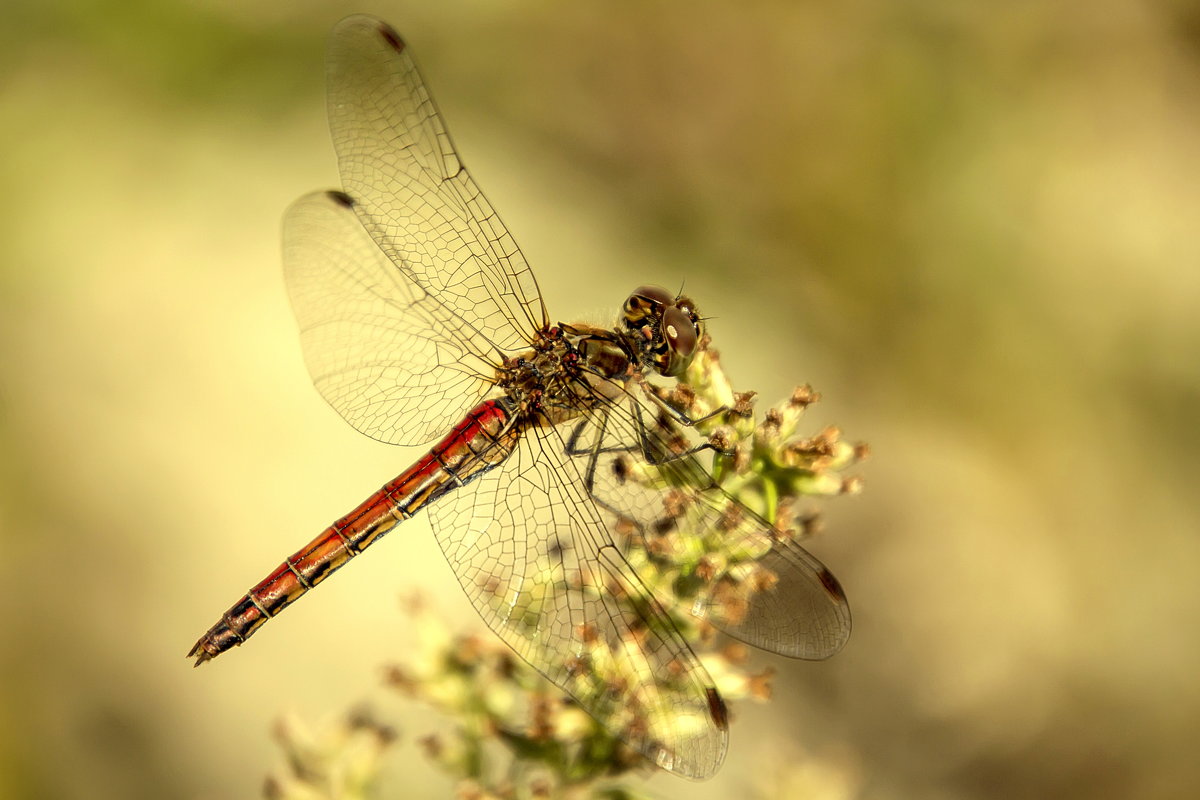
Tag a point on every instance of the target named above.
point(662, 328)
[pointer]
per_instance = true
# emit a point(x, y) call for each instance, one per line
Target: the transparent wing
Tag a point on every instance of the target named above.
point(380, 349)
point(412, 192)
point(688, 536)
point(530, 550)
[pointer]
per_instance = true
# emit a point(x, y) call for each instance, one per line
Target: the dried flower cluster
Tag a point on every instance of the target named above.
point(514, 734)
point(763, 465)
point(340, 762)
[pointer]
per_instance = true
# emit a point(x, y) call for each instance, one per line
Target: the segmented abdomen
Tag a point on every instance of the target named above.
point(481, 441)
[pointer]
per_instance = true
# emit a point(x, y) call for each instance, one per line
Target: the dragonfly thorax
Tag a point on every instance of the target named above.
point(546, 380)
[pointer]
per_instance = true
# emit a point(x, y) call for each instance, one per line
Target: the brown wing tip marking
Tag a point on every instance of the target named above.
point(341, 198)
point(717, 709)
point(391, 37)
point(831, 584)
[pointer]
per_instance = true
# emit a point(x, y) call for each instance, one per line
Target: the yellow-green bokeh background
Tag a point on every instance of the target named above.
point(972, 227)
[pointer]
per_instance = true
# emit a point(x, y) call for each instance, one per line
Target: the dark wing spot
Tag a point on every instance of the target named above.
point(391, 37)
point(831, 584)
point(717, 710)
point(341, 198)
point(663, 525)
point(556, 549)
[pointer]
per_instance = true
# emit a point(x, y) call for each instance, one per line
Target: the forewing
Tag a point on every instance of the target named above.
point(531, 552)
point(379, 348)
point(414, 195)
point(685, 530)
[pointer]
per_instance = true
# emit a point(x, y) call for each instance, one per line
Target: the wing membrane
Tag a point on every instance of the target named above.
point(673, 514)
point(415, 197)
point(379, 348)
point(533, 555)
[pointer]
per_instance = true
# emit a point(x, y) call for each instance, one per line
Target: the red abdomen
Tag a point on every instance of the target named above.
point(478, 443)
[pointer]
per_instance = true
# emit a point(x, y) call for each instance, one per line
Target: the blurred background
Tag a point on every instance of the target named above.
point(971, 227)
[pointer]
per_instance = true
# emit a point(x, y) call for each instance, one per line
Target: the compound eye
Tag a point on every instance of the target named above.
point(650, 295)
point(681, 335)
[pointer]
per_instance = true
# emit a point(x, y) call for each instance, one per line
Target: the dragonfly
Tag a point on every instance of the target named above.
point(420, 320)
